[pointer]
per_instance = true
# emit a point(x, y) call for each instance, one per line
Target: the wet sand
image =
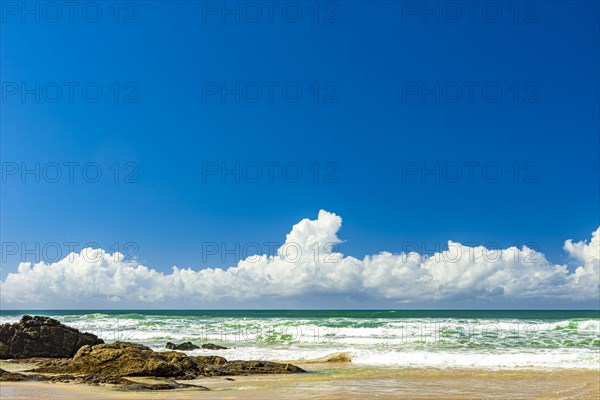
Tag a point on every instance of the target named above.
point(346, 381)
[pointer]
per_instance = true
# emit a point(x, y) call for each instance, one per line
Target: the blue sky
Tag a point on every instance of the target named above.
point(394, 98)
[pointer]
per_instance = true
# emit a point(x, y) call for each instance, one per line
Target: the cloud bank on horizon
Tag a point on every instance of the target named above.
point(307, 269)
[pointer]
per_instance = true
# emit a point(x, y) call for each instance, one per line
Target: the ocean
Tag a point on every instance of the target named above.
point(497, 339)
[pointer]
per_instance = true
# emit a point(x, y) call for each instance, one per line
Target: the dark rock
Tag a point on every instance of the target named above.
point(187, 346)
point(260, 367)
point(58, 364)
point(6, 376)
point(218, 366)
point(42, 337)
point(96, 379)
point(211, 346)
point(161, 386)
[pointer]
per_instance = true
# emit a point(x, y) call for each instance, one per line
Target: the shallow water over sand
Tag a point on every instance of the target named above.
point(352, 382)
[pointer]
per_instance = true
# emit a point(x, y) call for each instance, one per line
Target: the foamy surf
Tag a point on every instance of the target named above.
point(565, 340)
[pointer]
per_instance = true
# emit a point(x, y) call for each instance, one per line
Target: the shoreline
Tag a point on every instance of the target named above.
point(67, 363)
point(342, 381)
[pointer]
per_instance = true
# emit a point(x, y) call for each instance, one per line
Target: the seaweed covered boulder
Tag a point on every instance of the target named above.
point(42, 337)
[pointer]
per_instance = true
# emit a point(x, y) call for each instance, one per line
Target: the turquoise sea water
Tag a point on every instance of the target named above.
point(419, 338)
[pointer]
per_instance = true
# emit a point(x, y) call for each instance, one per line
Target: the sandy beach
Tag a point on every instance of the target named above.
point(344, 382)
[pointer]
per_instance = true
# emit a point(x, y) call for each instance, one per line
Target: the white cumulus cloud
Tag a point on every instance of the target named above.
point(309, 269)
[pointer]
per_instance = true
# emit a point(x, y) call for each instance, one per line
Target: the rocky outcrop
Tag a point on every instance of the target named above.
point(248, 368)
point(187, 346)
point(59, 349)
point(127, 359)
point(42, 337)
point(96, 379)
point(7, 376)
point(130, 359)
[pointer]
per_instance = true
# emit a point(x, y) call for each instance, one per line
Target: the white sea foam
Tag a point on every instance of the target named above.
point(557, 358)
